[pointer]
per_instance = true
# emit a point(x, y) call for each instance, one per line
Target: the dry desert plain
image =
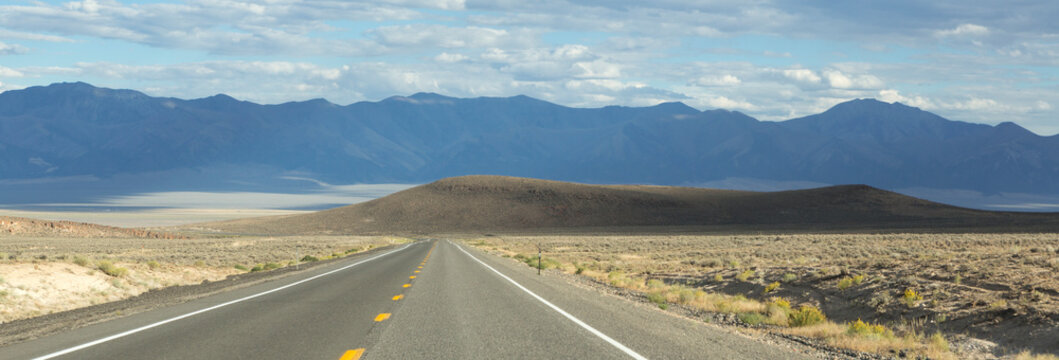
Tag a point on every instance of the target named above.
point(933, 294)
point(1001, 288)
point(937, 295)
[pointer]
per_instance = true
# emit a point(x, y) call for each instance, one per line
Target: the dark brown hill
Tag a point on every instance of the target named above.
point(508, 204)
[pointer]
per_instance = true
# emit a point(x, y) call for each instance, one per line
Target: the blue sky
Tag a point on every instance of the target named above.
point(974, 61)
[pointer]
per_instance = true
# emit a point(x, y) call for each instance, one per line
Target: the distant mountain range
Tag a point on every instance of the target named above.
point(77, 130)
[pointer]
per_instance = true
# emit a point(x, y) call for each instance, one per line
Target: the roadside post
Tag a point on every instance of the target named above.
point(539, 257)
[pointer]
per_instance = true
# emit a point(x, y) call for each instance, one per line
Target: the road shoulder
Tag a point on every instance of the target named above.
point(642, 327)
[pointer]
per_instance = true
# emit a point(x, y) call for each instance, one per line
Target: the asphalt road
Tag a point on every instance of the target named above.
point(426, 300)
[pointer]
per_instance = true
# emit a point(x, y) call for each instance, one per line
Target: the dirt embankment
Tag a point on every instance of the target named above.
point(34, 289)
point(17, 226)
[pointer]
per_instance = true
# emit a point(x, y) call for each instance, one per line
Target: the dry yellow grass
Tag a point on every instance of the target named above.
point(1026, 355)
point(928, 278)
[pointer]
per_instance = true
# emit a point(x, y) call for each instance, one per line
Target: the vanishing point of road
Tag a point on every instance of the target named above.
point(431, 299)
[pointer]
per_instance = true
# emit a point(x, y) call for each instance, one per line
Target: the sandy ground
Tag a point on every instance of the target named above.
point(32, 289)
point(42, 275)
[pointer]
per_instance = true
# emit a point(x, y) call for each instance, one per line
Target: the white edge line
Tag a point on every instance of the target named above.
point(577, 321)
point(193, 313)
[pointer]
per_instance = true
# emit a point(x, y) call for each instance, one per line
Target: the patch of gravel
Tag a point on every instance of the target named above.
point(28, 329)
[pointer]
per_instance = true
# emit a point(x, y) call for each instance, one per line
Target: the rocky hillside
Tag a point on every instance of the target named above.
point(498, 204)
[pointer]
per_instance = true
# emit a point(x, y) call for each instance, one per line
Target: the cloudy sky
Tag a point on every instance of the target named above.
point(978, 61)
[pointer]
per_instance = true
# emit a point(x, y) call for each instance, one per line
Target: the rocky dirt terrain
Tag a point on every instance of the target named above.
point(986, 294)
point(18, 226)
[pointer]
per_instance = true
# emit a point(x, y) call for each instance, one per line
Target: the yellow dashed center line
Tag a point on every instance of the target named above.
point(355, 354)
point(352, 354)
point(429, 252)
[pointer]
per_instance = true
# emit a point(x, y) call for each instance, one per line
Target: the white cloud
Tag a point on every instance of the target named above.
point(707, 31)
point(601, 98)
point(11, 49)
point(723, 102)
point(839, 80)
point(785, 54)
point(432, 4)
point(550, 64)
point(974, 104)
point(963, 30)
point(327, 74)
point(596, 69)
point(891, 96)
point(48, 71)
point(803, 75)
point(450, 58)
point(539, 70)
point(722, 80)
point(10, 73)
point(278, 27)
point(572, 52)
point(564, 53)
point(8, 34)
point(428, 35)
point(597, 84)
point(89, 6)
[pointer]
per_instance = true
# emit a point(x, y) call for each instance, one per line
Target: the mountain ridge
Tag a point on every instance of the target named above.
point(76, 129)
point(83, 87)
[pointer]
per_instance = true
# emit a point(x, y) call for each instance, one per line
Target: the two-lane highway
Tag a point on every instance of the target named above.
point(426, 300)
